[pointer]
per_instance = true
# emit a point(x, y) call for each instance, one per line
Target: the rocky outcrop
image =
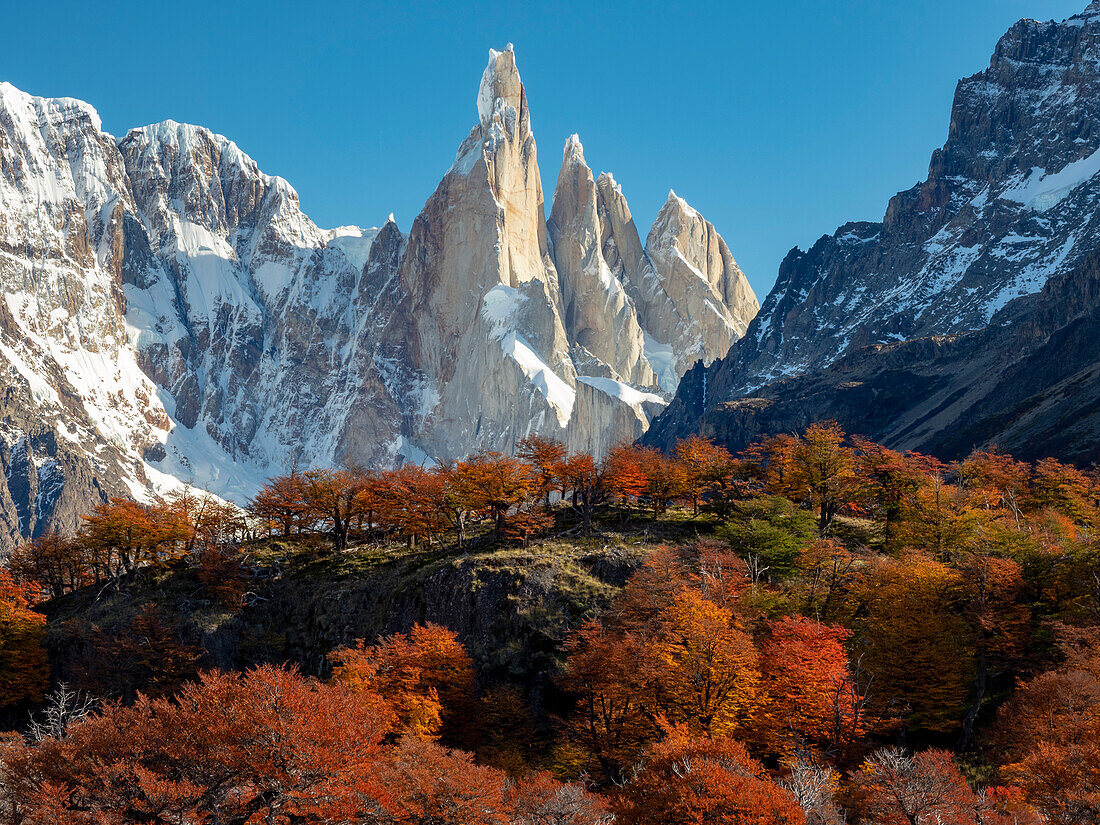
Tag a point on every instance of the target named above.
point(1010, 202)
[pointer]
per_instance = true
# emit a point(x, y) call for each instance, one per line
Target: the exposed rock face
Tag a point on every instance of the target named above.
point(692, 300)
point(694, 297)
point(76, 409)
point(171, 315)
point(1011, 201)
point(599, 315)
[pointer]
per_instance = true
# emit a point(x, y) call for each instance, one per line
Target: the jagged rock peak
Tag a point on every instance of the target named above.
point(674, 201)
point(181, 142)
point(573, 151)
point(599, 315)
point(501, 89)
point(703, 249)
point(608, 180)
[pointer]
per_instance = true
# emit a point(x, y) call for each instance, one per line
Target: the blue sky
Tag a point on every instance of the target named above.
point(777, 120)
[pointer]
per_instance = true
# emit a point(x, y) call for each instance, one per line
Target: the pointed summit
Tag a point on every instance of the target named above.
point(501, 90)
point(676, 204)
point(574, 151)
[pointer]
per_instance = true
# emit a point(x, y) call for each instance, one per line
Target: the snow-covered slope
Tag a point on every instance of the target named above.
point(171, 315)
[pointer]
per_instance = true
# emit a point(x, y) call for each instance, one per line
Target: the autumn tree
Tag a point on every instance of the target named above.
point(425, 674)
point(829, 573)
point(282, 501)
point(664, 479)
point(545, 455)
point(435, 785)
point(916, 646)
point(586, 484)
point(613, 670)
point(994, 481)
point(825, 469)
point(507, 735)
point(57, 562)
point(611, 722)
point(720, 575)
point(810, 699)
point(624, 474)
point(942, 519)
point(703, 781)
point(334, 499)
point(705, 667)
point(24, 670)
point(123, 535)
point(418, 503)
point(222, 572)
point(894, 788)
point(817, 468)
point(264, 745)
point(493, 483)
point(208, 522)
point(1061, 488)
point(538, 799)
point(432, 785)
point(998, 625)
point(1049, 733)
point(890, 478)
point(701, 463)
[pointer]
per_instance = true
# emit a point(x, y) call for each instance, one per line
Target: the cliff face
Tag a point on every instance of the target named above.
point(511, 607)
point(1010, 204)
point(171, 315)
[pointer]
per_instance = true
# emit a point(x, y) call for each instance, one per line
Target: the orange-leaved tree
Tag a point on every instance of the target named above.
point(702, 463)
point(282, 502)
point(426, 675)
point(917, 648)
point(122, 535)
point(24, 670)
point(705, 667)
point(545, 455)
point(810, 699)
point(57, 562)
point(264, 745)
point(624, 474)
point(1049, 733)
point(494, 483)
point(896, 788)
point(692, 780)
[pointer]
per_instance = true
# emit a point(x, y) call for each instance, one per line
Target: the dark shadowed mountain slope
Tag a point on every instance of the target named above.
point(1029, 382)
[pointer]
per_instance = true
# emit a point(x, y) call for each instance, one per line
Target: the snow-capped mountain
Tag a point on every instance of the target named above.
point(172, 316)
point(1011, 201)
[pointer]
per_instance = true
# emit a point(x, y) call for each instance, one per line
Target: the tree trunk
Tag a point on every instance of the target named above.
point(979, 696)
